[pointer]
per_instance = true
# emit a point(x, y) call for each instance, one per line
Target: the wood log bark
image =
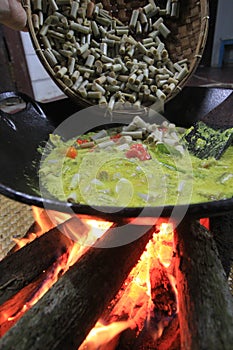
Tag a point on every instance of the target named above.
point(204, 298)
point(169, 340)
point(26, 264)
point(222, 229)
point(65, 315)
point(162, 331)
point(16, 306)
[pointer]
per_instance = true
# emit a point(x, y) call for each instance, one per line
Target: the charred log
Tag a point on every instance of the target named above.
point(170, 339)
point(205, 301)
point(40, 276)
point(149, 340)
point(162, 331)
point(26, 264)
point(14, 308)
point(162, 293)
point(157, 325)
point(66, 314)
point(222, 229)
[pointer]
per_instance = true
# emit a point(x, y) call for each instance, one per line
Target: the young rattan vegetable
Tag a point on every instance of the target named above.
point(107, 61)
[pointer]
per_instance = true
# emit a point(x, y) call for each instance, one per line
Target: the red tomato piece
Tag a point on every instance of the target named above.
point(137, 151)
point(115, 137)
point(72, 152)
point(132, 153)
point(80, 141)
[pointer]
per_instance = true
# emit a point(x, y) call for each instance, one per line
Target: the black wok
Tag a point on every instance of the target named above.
point(22, 132)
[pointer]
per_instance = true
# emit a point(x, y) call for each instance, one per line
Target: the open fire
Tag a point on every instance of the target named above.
point(137, 305)
point(143, 314)
point(44, 222)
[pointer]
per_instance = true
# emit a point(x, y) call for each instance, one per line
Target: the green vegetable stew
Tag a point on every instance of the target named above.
point(136, 165)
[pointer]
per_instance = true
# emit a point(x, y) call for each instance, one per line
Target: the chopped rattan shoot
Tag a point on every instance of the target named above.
point(116, 39)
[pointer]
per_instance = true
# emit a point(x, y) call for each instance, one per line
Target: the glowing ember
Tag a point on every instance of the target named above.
point(205, 222)
point(146, 303)
point(51, 276)
point(164, 244)
point(134, 303)
point(101, 335)
point(135, 306)
point(172, 281)
point(83, 232)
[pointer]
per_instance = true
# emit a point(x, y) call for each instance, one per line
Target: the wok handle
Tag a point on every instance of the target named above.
point(31, 105)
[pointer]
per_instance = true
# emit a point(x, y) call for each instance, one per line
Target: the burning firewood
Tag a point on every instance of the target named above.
point(170, 300)
point(32, 270)
point(26, 264)
point(65, 315)
point(145, 305)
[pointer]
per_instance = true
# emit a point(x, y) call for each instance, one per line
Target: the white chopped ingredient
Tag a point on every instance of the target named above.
point(72, 197)
point(123, 147)
point(121, 185)
point(97, 182)
point(124, 139)
point(74, 181)
point(180, 149)
point(106, 144)
point(169, 142)
point(180, 186)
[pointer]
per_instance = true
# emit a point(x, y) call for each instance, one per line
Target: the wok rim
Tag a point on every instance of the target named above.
point(196, 210)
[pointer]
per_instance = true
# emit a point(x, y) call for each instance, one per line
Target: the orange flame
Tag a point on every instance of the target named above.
point(43, 223)
point(90, 231)
point(172, 281)
point(45, 220)
point(134, 304)
point(164, 244)
point(51, 276)
point(101, 335)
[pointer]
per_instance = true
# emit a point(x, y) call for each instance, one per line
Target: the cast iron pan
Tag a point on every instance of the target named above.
point(22, 132)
